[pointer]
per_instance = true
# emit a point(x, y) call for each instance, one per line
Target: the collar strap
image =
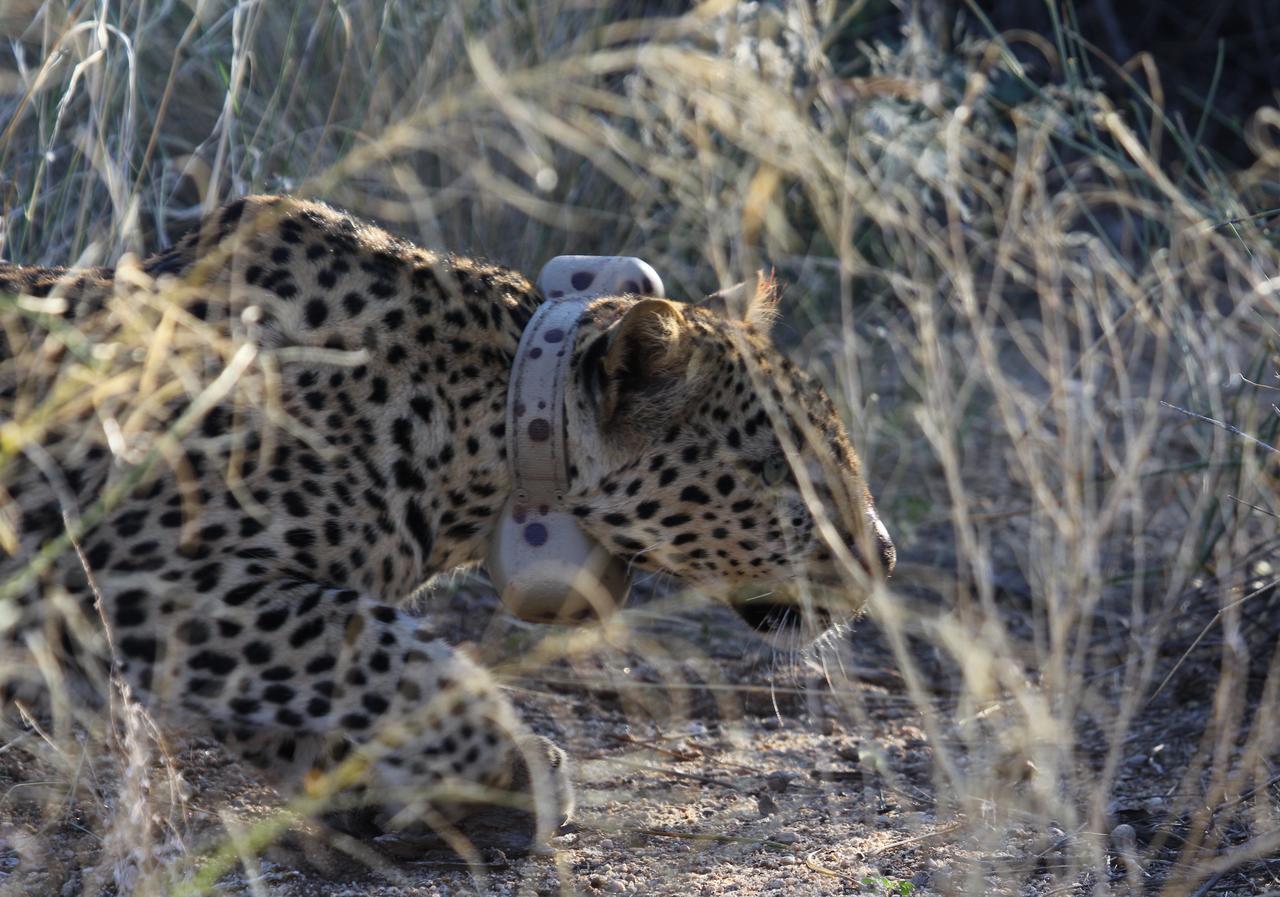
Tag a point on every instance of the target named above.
point(537, 439)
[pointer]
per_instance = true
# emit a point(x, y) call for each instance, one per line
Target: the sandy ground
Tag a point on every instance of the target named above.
point(723, 769)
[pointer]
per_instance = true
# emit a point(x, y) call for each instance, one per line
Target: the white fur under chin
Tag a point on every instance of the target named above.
point(819, 653)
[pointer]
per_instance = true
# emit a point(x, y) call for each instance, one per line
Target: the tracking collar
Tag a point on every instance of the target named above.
point(546, 568)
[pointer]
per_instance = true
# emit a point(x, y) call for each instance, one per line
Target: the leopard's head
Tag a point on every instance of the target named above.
point(720, 461)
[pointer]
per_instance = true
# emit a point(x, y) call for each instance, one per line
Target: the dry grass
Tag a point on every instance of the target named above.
point(1004, 281)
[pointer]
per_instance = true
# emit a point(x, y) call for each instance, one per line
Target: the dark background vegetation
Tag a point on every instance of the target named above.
point(1216, 59)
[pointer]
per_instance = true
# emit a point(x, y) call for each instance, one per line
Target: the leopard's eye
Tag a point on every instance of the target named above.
point(775, 470)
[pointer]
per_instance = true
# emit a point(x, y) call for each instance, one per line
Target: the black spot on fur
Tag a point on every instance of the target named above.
point(317, 312)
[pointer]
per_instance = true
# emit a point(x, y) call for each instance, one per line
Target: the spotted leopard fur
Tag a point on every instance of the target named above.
point(264, 604)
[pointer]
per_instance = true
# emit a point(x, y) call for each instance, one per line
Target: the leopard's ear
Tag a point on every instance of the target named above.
point(762, 310)
point(647, 361)
point(758, 307)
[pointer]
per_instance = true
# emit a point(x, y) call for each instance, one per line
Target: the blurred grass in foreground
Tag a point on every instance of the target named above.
point(1001, 277)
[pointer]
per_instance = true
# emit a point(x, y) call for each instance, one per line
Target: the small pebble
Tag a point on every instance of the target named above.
point(849, 752)
point(766, 805)
point(778, 781)
point(775, 884)
point(786, 837)
point(787, 860)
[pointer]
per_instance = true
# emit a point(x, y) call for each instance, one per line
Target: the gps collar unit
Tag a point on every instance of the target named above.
point(545, 567)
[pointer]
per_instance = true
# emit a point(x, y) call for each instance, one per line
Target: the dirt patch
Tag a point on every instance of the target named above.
point(718, 768)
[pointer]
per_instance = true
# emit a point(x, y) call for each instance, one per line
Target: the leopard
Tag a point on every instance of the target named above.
point(250, 580)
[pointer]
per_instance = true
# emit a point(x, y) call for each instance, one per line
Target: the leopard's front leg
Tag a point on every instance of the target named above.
point(306, 677)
